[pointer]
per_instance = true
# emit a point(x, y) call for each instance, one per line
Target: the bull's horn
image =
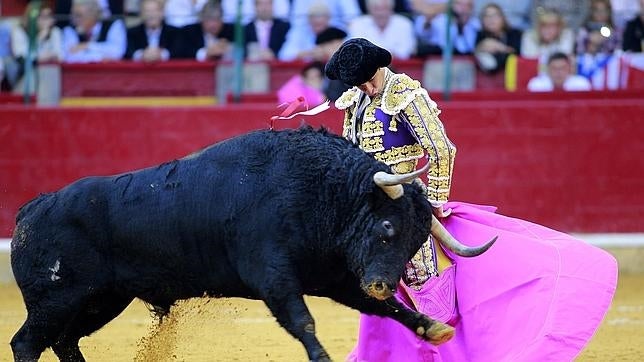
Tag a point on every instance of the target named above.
point(392, 184)
point(445, 238)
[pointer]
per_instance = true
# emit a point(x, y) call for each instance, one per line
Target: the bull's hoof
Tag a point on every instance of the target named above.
point(322, 359)
point(438, 333)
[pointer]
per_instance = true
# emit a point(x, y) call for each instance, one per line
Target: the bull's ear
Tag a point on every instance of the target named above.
point(421, 184)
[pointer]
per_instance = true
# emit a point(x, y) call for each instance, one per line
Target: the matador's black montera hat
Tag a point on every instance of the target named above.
point(356, 61)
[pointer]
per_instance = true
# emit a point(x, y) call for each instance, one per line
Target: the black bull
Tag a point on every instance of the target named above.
point(268, 215)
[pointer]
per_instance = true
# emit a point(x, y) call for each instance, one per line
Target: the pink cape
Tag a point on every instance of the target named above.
point(295, 87)
point(536, 295)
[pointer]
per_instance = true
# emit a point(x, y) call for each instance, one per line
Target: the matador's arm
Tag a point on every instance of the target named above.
point(411, 103)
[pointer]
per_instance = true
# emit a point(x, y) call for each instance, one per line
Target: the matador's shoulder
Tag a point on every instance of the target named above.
point(399, 92)
point(348, 98)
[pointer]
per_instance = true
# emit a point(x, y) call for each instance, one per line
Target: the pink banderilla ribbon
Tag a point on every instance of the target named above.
point(287, 113)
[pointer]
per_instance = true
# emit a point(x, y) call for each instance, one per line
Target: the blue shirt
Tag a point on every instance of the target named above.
point(5, 41)
point(464, 42)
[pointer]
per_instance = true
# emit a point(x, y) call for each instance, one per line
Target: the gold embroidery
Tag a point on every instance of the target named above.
point(347, 125)
point(404, 167)
point(400, 92)
point(396, 155)
point(430, 132)
point(371, 144)
point(403, 94)
point(392, 125)
point(348, 98)
point(421, 267)
point(373, 127)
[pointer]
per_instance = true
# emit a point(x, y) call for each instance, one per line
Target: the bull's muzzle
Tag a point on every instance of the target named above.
point(379, 290)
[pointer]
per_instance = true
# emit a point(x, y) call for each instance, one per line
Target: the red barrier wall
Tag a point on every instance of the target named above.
point(575, 165)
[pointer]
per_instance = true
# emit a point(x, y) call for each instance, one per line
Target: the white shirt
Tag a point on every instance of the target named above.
point(543, 83)
point(52, 46)
point(397, 37)
point(113, 48)
point(531, 48)
point(297, 40)
point(281, 10)
point(263, 31)
point(623, 11)
point(180, 13)
point(341, 11)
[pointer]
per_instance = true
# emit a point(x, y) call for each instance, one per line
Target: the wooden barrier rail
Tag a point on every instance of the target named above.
point(190, 78)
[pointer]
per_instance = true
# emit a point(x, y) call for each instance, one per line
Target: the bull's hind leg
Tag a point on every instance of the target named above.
point(96, 313)
point(46, 320)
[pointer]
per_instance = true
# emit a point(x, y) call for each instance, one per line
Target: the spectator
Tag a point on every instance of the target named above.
point(266, 34)
point(300, 42)
point(211, 38)
point(180, 13)
point(598, 35)
point(559, 76)
point(308, 84)
point(386, 29)
point(549, 36)
point(153, 40)
point(517, 12)
point(624, 11)
point(597, 39)
point(463, 30)
point(49, 38)
point(5, 40)
point(402, 7)
point(634, 32)
point(573, 12)
point(49, 41)
point(341, 12)
point(496, 40)
point(280, 9)
point(427, 9)
point(2, 82)
point(108, 9)
point(5, 55)
point(88, 39)
point(327, 43)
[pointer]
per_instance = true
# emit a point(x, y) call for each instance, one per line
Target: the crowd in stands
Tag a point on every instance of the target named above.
point(588, 32)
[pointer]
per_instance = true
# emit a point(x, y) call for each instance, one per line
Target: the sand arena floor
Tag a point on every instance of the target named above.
point(243, 330)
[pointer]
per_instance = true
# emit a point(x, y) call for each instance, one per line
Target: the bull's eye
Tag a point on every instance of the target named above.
point(389, 228)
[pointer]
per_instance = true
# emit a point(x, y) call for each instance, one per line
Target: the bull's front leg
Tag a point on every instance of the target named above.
point(291, 312)
point(429, 329)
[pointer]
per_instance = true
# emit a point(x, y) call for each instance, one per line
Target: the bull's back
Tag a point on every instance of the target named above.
point(183, 221)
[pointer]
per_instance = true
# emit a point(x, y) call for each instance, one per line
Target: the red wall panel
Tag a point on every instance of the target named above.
point(575, 165)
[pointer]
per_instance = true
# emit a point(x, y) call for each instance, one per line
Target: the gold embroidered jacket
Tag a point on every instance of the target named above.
point(398, 127)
